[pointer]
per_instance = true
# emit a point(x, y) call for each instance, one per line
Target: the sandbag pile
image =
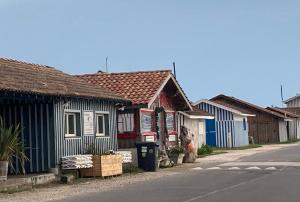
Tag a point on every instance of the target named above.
point(77, 162)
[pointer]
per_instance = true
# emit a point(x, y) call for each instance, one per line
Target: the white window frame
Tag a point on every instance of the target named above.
point(101, 113)
point(67, 124)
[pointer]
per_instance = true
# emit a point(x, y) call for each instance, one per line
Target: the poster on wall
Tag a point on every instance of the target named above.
point(88, 123)
point(146, 121)
point(170, 120)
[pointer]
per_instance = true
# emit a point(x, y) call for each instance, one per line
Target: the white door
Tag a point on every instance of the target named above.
point(201, 139)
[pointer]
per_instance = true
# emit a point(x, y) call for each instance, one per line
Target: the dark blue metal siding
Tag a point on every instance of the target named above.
point(77, 145)
point(37, 134)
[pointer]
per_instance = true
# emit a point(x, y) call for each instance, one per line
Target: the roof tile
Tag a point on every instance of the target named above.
point(139, 87)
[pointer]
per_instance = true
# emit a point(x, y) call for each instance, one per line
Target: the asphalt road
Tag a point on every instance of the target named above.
point(267, 177)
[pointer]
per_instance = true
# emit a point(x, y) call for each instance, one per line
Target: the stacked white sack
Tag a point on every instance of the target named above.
point(77, 162)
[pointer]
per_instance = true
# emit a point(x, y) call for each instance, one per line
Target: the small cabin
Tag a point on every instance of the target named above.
point(60, 115)
point(265, 127)
point(157, 100)
point(229, 128)
point(292, 126)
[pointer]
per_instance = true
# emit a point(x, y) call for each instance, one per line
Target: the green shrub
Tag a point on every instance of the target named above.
point(204, 149)
point(209, 149)
point(131, 168)
point(176, 150)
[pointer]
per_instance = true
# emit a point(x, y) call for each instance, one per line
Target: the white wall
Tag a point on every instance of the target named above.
point(282, 131)
point(241, 134)
point(193, 126)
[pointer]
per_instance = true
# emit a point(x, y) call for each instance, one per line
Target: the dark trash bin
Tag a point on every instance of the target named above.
point(147, 156)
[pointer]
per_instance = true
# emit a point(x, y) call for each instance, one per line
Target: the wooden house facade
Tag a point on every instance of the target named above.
point(292, 122)
point(60, 115)
point(156, 100)
point(231, 125)
point(265, 127)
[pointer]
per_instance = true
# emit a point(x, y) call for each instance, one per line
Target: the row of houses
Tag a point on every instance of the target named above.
point(63, 115)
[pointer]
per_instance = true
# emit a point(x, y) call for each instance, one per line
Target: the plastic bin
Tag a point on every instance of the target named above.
point(147, 156)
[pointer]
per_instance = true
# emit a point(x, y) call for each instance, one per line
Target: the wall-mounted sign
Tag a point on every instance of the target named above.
point(149, 138)
point(172, 138)
point(88, 123)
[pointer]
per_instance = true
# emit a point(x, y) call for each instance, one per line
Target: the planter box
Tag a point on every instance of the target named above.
point(104, 166)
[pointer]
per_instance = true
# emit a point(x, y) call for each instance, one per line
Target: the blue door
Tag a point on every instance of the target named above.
point(210, 132)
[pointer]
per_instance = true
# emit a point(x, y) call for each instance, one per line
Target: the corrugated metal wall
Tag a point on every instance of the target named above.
point(226, 133)
point(294, 103)
point(37, 135)
point(77, 145)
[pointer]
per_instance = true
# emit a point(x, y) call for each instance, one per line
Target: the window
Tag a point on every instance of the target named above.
point(102, 125)
point(72, 124)
point(125, 123)
point(245, 124)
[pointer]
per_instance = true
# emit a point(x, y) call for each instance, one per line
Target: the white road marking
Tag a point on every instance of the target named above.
point(234, 168)
point(253, 168)
point(270, 164)
point(271, 168)
point(214, 168)
point(197, 168)
point(209, 194)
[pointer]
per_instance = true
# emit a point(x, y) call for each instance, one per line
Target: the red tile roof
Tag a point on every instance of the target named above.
point(140, 87)
point(17, 76)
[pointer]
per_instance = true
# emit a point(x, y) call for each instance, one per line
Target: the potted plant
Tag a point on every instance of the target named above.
point(11, 148)
point(176, 154)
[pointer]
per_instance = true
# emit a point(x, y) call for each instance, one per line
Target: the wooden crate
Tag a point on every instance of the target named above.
point(104, 166)
point(111, 165)
point(95, 171)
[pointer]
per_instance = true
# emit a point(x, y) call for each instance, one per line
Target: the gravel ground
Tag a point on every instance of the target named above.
point(58, 191)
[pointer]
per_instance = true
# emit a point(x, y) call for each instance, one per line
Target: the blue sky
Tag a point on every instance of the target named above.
point(243, 48)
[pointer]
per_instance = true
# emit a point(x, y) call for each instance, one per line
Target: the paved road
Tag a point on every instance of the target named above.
point(267, 177)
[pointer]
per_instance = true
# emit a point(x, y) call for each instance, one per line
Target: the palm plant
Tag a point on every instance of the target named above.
point(11, 146)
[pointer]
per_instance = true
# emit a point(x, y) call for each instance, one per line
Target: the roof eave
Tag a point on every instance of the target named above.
point(162, 87)
point(196, 117)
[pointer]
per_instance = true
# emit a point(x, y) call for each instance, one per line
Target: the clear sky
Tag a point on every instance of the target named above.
point(243, 48)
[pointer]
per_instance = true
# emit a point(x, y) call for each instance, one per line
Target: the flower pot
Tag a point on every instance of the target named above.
point(176, 158)
point(3, 170)
point(180, 159)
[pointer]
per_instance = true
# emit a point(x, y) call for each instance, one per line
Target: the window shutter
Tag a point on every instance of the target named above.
point(106, 122)
point(65, 125)
point(78, 125)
